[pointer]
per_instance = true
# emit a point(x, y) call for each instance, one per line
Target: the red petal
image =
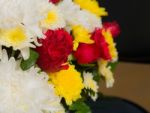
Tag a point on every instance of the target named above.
point(113, 27)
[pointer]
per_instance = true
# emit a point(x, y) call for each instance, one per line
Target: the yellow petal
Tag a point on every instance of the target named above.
point(92, 6)
point(81, 35)
point(111, 45)
point(105, 71)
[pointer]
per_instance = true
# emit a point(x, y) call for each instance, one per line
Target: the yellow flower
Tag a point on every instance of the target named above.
point(68, 84)
point(106, 72)
point(109, 39)
point(92, 6)
point(14, 36)
point(81, 35)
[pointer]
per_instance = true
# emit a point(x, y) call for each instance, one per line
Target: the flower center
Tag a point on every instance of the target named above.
point(15, 36)
point(50, 19)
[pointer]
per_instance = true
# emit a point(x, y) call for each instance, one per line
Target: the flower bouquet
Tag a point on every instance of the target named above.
point(53, 54)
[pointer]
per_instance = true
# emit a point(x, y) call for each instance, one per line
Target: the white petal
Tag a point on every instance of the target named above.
point(0, 52)
point(4, 56)
point(25, 53)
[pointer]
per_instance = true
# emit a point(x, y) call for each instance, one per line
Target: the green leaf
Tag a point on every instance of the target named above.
point(27, 64)
point(88, 65)
point(90, 91)
point(113, 65)
point(97, 76)
point(80, 107)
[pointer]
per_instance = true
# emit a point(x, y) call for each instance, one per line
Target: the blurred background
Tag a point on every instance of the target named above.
point(132, 74)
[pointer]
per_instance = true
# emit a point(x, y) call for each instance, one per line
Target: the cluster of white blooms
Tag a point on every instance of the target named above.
point(28, 13)
point(25, 91)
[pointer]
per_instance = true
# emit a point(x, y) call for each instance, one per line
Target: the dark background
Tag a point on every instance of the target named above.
point(134, 19)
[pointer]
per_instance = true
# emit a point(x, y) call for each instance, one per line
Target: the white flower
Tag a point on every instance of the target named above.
point(25, 91)
point(75, 16)
point(91, 84)
point(54, 18)
point(89, 20)
point(32, 17)
point(105, 70)
point(17, 38)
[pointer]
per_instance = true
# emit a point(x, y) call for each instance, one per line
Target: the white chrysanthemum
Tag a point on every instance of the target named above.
point(54, 18)
point(75, 16)
point(91, 84)
point(18, 38)
point(25, 91)
point(31, 18)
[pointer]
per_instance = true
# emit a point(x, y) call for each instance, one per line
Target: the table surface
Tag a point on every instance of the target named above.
point(132, 83)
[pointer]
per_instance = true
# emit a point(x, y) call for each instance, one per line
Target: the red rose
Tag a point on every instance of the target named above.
point(113, 27)
point(101, 44)
point(54, 1)
point(54, 50)
point(89, 53)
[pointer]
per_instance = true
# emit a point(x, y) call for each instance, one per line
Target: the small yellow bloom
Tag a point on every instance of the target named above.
point(92, 6)
point(105, 71)
point(110, 41)
point(68, 84)
point(81, 35)
point(14, 36)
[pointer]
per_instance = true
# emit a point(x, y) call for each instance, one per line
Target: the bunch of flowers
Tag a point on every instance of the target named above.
point(53, 54)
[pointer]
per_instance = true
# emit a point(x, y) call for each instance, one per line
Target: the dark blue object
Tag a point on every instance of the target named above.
point(115, 105)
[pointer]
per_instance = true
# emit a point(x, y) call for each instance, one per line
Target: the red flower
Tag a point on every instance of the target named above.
point(89, 53)
point(101, 44)
point(54, 1)
point(113, 27)
point(54, 50)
